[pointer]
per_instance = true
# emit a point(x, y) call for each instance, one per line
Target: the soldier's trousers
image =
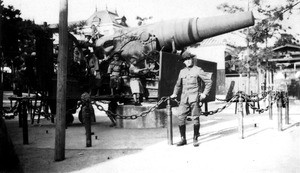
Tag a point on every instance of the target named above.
point(189, 109)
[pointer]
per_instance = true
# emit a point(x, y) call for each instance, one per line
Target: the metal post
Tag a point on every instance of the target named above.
point(19, 111)
point(279, 109)
point(240, 117)
point(287, 107)
point(23, 113)
point(170, 127)
point(270, 107)
point(205, 106)
point(86, 114)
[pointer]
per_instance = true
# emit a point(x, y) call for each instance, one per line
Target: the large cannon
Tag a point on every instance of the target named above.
point(171, 35)
point(142, 43)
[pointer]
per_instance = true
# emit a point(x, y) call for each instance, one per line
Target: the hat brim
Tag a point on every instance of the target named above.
point(186, 58)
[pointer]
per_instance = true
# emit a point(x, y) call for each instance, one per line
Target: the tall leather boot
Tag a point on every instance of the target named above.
point(196, 135)
point(182, 129)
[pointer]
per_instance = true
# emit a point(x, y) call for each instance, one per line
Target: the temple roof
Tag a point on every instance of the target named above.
point(103, 16)
point(287, 47)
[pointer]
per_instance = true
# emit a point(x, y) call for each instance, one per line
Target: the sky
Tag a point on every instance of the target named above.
point(48, 10)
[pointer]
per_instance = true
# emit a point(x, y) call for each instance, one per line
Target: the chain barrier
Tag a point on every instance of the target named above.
point(218, 110)
point(256, 96)
point(248, 98)
point(163, 99)
point(264, 95)
point(132, 117)
point(274, 97)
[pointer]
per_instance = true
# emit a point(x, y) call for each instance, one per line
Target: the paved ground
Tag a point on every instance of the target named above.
point(264, 148)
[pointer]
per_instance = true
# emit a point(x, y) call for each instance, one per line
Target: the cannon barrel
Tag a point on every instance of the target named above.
point(138, 42)
point(189, 31)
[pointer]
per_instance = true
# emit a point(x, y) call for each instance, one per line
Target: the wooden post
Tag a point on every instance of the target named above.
point(170, 123)
point(87, 114)
point(253, 102)
point(23, 104)
point(240, 117)
point(270, 107)
point(287, 107)
point(279, 110)
point(60, 130)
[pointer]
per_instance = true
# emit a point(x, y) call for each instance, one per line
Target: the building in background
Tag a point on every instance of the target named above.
point(288, 68)
point(106, 22)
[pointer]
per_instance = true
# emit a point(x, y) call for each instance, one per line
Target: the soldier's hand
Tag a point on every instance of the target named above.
point(173, 96)
point(202, 96)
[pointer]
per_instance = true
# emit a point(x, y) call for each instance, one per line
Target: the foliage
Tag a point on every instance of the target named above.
point(143, 20)
point(76, 26)
point(286, 39)
point(10, 28)
point(230, 8)
point(268, 26)
point(18, 35)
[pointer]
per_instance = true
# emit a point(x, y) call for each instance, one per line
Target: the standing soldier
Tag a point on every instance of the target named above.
point(114, 70)
point(189, 82)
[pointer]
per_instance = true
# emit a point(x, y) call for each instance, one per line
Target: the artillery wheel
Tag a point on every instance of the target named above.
point(69, 119)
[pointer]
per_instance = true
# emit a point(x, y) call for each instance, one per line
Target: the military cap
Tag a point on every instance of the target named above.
point(186, 55)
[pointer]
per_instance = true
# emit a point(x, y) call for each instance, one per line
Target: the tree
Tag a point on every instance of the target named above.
point(268, 26)
point(142, 20)
point(18, 35)
point(286, 39)
point(10, 32)
point(76, 26)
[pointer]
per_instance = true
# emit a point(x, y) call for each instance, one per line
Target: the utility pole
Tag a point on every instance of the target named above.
point(60, 130)
point(1, 60)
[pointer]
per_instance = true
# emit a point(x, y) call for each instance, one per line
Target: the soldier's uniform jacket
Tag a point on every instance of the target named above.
point(189, 82)
point(94, 67)
point(115, 68)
